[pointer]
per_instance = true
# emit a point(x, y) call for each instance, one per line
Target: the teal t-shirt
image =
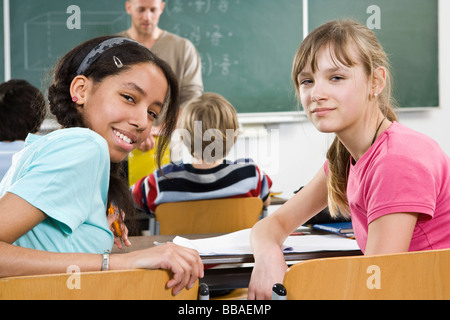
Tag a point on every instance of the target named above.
point(65, 174)
point(7, 151)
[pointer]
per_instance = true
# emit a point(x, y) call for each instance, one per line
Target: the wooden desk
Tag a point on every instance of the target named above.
point(234, 275)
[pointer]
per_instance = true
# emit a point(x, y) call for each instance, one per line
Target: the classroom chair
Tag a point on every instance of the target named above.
point(207, 216)
point(413, 275)
point(137, 284)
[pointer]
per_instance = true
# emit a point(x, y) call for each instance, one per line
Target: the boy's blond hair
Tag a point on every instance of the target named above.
point(209, 120)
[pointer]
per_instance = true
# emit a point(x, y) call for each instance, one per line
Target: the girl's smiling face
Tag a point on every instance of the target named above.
point(121, 108)
point(333, 95)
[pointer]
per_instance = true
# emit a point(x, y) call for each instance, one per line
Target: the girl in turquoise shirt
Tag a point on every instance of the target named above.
point(105, 93)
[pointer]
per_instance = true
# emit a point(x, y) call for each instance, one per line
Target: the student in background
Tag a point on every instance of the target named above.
point(106, 94)
point(208, 127)
point(392, 181)
point(22, 110)
point(178, 52)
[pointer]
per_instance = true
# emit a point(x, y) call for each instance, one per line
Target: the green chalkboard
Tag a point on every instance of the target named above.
point(246, 46)
point(40, 34)
point(266, 33)
point(408, 31)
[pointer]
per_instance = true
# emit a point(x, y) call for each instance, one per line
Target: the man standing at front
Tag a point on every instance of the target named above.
point(178, 52)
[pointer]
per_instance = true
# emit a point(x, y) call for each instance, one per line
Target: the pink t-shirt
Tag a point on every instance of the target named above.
point(403, 171)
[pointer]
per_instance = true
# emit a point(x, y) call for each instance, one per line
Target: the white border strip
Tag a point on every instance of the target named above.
point(271, 117)
point(305, 19)
point(300, 116)
point(7, 39)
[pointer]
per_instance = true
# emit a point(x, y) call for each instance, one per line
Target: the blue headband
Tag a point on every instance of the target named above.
point(99, 50)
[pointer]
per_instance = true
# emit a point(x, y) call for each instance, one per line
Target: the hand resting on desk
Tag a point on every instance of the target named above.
point(263, 278)
point(184, 263)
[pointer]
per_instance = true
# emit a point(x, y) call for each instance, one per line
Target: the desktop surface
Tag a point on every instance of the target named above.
point(224, 272)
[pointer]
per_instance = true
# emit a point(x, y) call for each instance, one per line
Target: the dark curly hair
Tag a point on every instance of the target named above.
point(65, 111)
point(22, 109)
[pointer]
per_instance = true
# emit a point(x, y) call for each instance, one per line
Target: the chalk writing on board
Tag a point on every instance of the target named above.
point(214, 35)
point(174, 7)
point(223, 64)
point(213, 40)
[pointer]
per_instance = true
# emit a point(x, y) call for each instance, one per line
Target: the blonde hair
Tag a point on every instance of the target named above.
point(208, 113)
point(342, 38)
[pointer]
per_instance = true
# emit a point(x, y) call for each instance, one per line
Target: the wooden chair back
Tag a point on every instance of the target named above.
point(411, 275)
point(208, 216)
point(135, 284)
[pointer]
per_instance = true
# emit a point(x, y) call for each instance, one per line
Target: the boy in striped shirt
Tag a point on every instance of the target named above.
point(208, 127)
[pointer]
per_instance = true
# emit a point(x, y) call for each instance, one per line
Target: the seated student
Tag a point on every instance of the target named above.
point(54, 200)
point(394, 182)
point(209, 176)
point(22, 110)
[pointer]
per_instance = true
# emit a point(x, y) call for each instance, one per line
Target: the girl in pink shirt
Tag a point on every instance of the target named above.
point(391, 180)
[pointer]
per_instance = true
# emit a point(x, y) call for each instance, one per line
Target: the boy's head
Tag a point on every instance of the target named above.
point(22, 110)
point(209, 126)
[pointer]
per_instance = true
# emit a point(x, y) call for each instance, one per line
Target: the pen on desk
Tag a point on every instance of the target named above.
point(300, 233)
point(115, 223)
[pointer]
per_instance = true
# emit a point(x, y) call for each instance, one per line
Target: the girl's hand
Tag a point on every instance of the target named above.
point(119, 229)
point(149, 142)
point(264, 275)
point(185, 264)
point(123, 239)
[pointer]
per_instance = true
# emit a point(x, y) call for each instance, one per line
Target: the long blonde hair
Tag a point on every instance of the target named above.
point(341, 36)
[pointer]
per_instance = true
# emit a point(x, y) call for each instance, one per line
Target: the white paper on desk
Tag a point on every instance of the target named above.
point(239, 243)
point(231, 243)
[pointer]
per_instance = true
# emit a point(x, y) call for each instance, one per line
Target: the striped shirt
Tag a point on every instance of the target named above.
point(183, 182)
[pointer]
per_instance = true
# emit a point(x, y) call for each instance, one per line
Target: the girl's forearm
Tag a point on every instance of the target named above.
point(18, 261)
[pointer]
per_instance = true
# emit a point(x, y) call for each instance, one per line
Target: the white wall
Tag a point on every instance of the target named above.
point(302, 148)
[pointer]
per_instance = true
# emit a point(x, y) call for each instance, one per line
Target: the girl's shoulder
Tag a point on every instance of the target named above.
point(83, 138)
point(80, 143)
point(400, 131)
point(404, 148)
point(74, 134)
point(401, 139)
